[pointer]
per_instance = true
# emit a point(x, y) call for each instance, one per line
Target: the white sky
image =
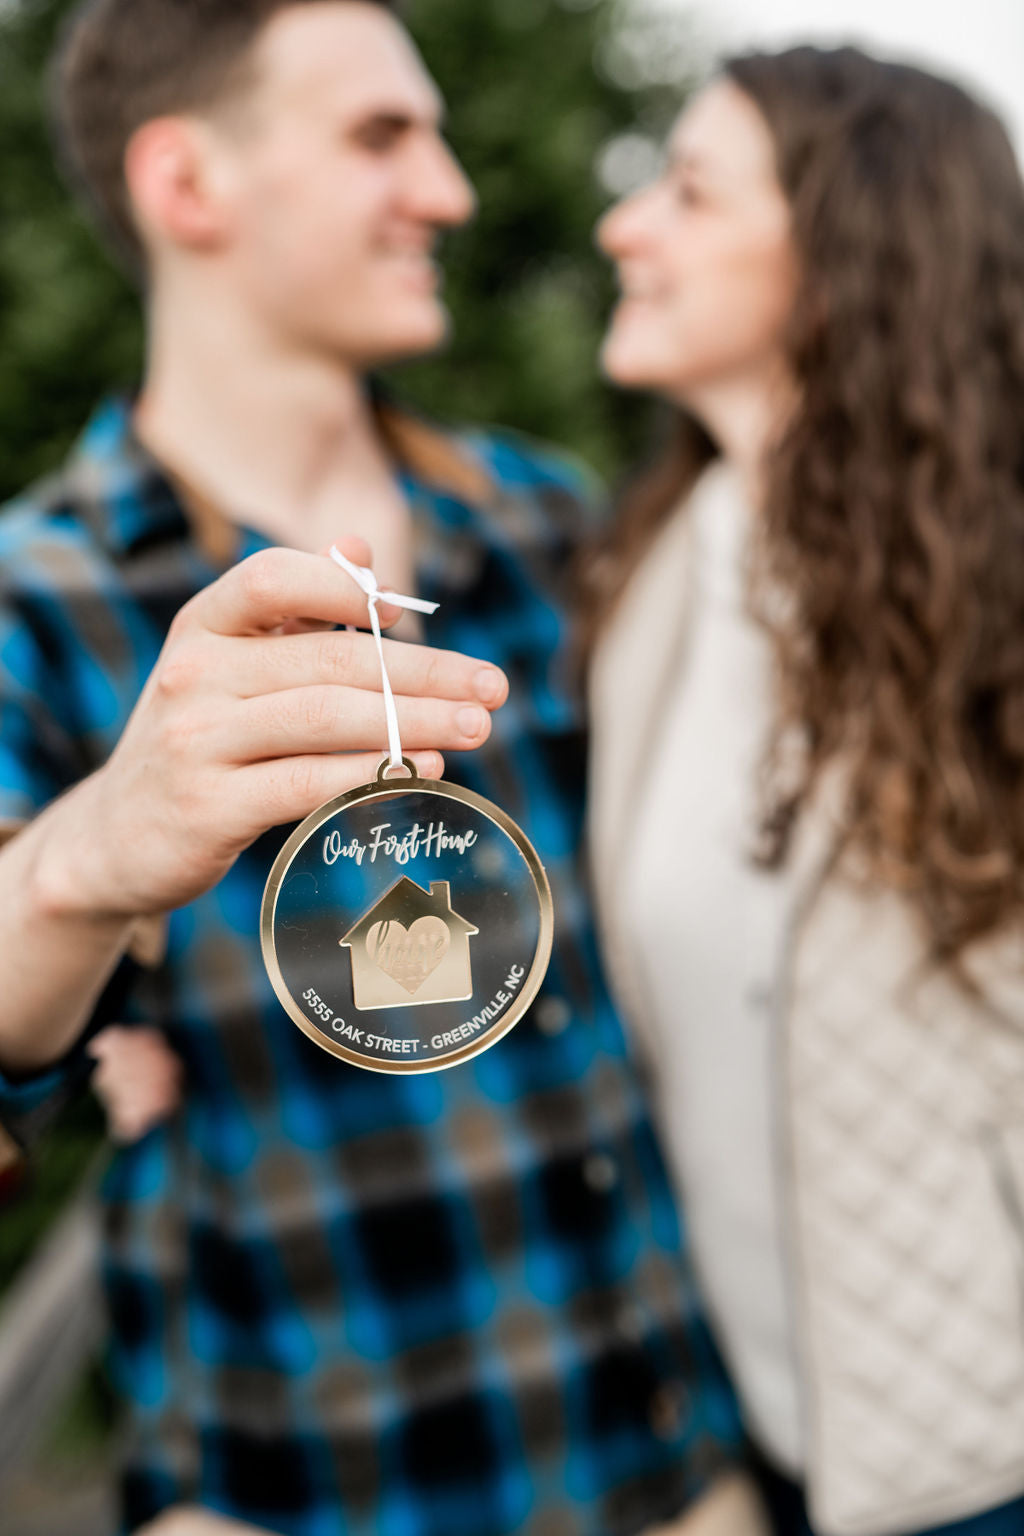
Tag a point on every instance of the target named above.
point(981, 42)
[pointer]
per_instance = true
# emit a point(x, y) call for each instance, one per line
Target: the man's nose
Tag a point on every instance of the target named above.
point(440, 188)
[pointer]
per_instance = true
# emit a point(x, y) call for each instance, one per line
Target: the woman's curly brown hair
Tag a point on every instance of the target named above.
point(893, 520)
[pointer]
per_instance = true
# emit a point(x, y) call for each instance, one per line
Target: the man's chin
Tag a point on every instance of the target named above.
point(407, 343)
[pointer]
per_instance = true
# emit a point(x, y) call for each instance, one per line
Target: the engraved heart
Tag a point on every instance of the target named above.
point(409, 955)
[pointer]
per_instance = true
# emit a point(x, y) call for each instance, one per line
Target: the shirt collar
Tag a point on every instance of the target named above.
point(133, 500)
point(123, 492)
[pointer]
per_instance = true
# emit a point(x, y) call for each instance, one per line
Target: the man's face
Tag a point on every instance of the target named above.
point(338, 183)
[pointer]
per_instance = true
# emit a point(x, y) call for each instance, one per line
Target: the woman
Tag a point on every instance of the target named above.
point(808, 823)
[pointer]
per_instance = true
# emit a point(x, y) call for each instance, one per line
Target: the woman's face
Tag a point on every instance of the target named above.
point(704, 256)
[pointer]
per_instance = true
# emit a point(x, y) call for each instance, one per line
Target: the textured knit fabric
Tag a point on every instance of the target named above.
point(787, 1512)
point(345, 1302)
point(901, 1115)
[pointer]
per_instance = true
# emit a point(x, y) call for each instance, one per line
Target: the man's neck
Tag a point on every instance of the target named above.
point(283, 443)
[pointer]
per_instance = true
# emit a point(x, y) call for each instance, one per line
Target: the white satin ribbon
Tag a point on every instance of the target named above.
point(364, 577)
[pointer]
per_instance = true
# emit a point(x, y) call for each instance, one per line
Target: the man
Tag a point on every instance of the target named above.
point(342, 1302)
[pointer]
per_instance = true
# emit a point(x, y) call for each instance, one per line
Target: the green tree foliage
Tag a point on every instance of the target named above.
point(69, 327)
point(529, 112)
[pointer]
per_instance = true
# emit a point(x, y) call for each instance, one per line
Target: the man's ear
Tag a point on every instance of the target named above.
point(171, 185)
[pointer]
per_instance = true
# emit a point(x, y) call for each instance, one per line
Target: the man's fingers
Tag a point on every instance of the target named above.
point(106, 1040)
point(301, 720)
point(353, 548)
point(289, 789)
point(191, 1520)
point(275, 586)
point(301, 660)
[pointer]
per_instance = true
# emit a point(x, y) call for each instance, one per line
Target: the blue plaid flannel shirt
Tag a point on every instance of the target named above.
point(443, 1305)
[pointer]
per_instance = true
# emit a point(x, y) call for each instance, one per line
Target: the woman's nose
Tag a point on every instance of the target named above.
point(621, 229)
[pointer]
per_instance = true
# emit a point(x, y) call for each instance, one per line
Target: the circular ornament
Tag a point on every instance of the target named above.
point(407, 924)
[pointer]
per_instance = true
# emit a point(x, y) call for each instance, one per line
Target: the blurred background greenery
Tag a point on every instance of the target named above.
point(553, 106)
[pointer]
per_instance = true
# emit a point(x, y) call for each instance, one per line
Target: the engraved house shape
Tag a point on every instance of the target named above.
point(410, 948)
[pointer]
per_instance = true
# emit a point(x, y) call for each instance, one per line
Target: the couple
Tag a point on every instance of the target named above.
point(459, 1303)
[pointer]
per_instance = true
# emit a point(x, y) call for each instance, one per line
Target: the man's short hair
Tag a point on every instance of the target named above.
point(122, 63)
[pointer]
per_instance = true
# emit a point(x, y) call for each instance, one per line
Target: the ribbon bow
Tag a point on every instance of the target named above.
point(367, 581)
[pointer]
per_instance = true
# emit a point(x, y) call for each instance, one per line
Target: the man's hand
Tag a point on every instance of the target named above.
point(190, 1520)
point(138, 1080)
point(244, 725)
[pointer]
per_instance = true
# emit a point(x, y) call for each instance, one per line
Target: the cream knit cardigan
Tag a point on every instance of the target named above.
point(902, 1158)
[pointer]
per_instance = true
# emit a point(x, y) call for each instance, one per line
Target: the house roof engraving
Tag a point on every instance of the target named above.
point(406, 901)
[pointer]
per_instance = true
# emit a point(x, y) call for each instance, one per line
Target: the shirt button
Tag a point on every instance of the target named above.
point(759, 996)
point(665, 1410)
point(553, 1015)
point(600, 1172)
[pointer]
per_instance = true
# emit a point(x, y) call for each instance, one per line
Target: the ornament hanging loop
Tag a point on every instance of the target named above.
point(387, 773)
